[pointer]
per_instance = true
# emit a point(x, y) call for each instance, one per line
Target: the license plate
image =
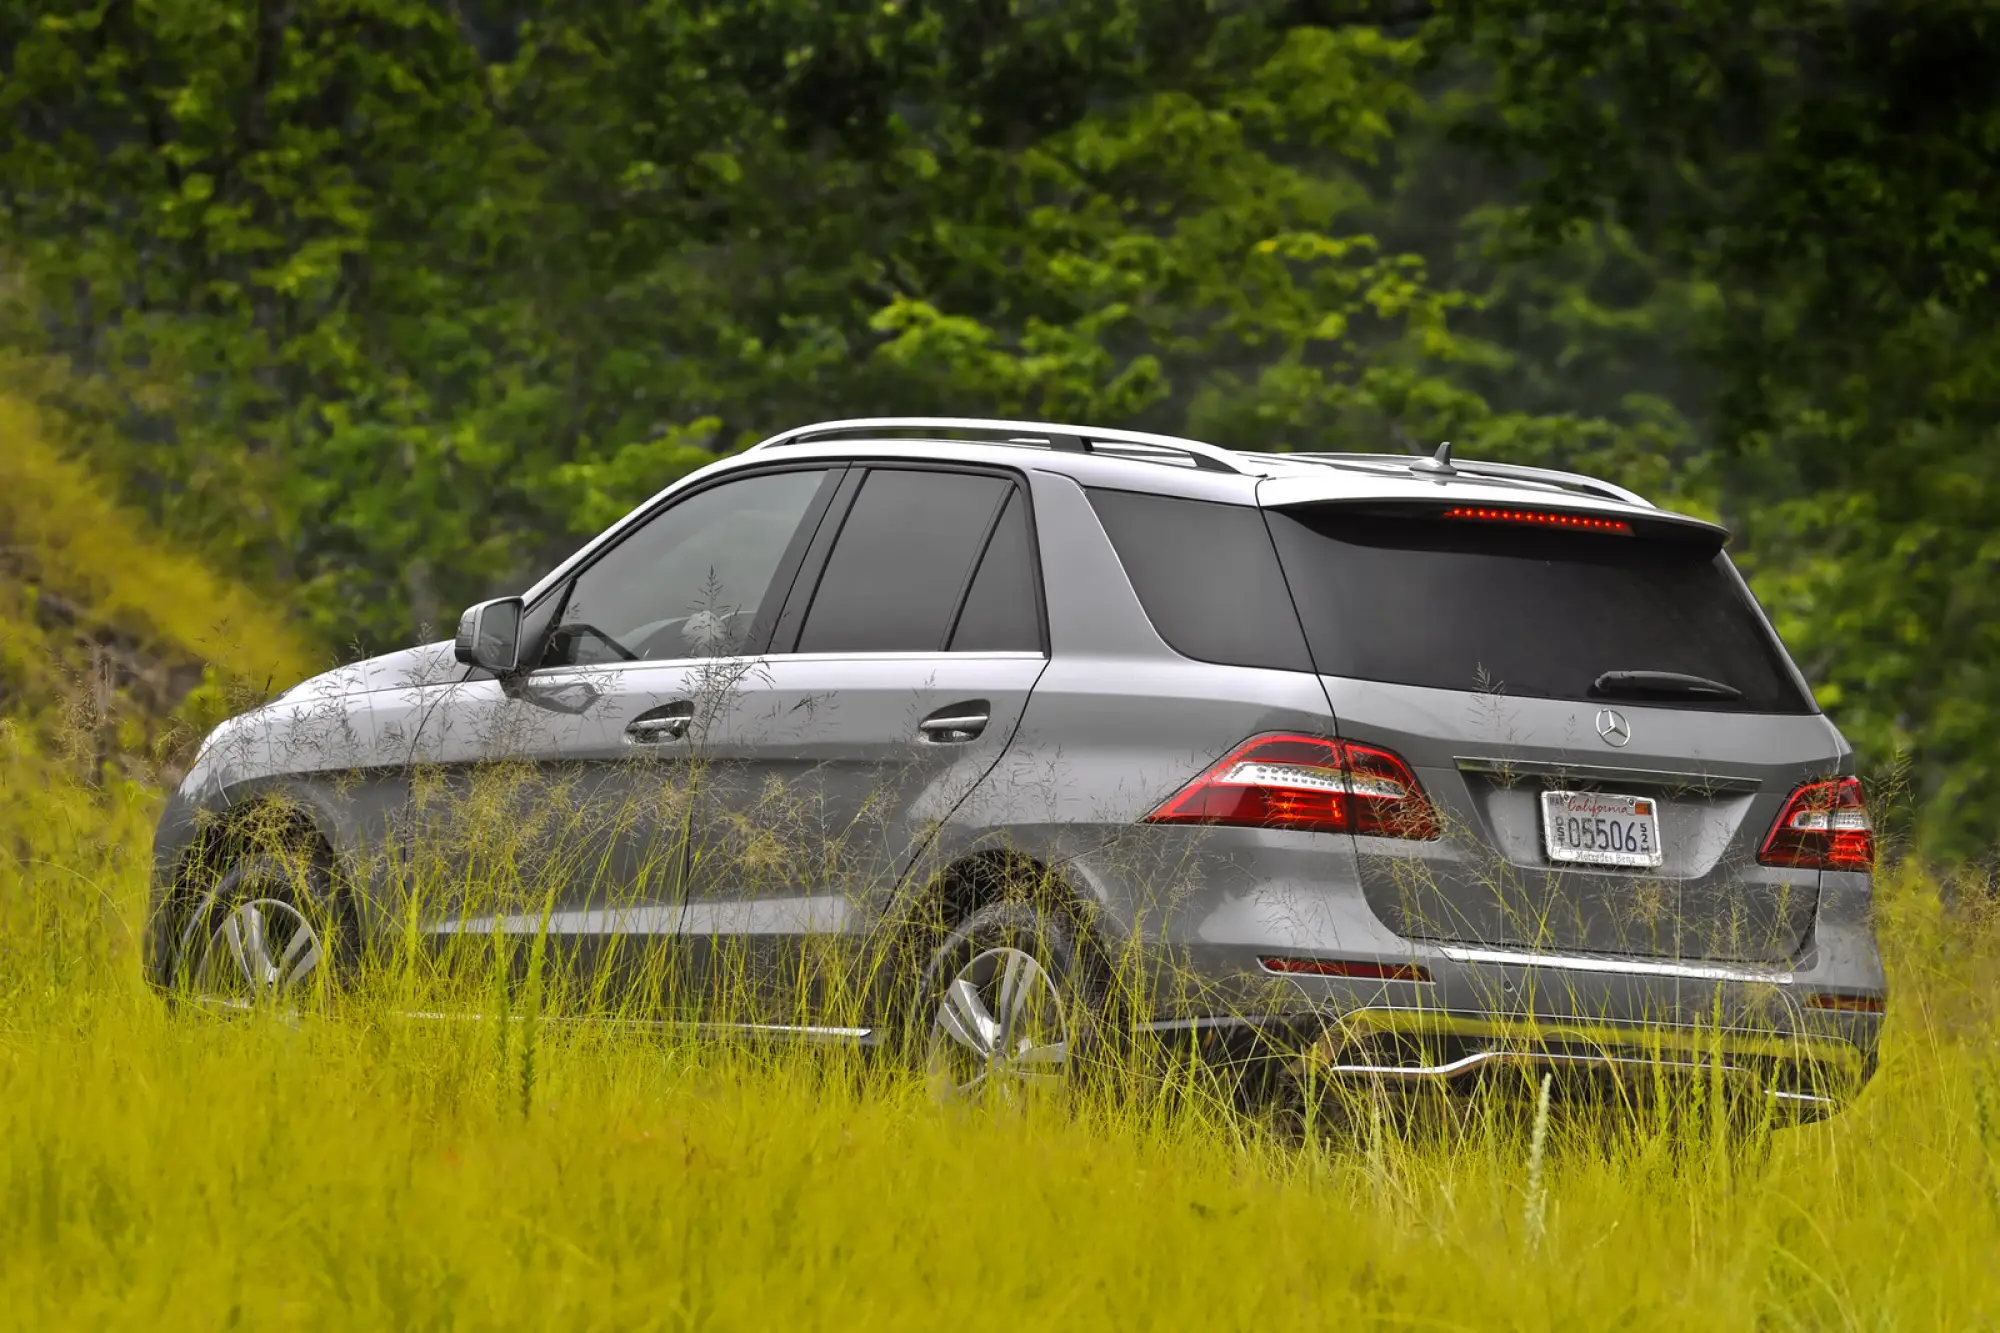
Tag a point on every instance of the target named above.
point(1600, 829)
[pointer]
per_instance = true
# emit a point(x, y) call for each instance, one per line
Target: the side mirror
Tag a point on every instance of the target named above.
point(489, 636)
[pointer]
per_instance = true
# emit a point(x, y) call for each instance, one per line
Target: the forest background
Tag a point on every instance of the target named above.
point(364, 309)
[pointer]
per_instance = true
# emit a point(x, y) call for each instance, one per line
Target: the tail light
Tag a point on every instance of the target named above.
point(1824, 826)
point(1306, 782)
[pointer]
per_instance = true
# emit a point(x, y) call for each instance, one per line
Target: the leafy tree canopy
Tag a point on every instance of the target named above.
point(401, 298)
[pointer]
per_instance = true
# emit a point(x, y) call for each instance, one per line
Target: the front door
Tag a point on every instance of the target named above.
point(567, 793)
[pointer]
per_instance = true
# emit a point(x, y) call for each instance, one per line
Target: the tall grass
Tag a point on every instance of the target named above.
point(356, 1168)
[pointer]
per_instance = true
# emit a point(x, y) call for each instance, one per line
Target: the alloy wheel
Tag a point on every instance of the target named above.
point(999, 1028)
point(261, 952)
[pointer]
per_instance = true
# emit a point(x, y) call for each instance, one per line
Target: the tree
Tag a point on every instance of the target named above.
point(437, 290)
point(1831, 169)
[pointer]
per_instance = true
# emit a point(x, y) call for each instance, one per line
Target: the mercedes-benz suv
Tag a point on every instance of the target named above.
point(1410, 768)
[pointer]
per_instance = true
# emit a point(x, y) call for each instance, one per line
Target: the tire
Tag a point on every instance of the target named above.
point(1010, 1001)
point(267, 934)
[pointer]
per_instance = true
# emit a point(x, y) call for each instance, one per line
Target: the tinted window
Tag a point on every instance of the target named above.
point(901, 562)
point(1001, 611)
point(1463, 606)
point(1207, 576)
point(690, 581)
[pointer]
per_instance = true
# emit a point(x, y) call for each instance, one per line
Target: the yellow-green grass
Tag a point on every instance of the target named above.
point(358, 1169)
point(81, 543)
point(117, 648)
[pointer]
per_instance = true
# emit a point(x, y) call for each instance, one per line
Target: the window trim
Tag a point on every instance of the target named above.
point(543, 613)
point(805, 588)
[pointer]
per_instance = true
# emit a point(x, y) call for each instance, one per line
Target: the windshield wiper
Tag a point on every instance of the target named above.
point(1661, 684)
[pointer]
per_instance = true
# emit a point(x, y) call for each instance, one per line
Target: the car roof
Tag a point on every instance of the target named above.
point(1167, 464)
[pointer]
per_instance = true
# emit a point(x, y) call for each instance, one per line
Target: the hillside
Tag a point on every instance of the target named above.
point(117, 650)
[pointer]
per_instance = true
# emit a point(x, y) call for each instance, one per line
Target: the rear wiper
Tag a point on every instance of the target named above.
point(1672, 684)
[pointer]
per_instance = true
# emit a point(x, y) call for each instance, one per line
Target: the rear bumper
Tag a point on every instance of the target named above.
point(1632, 1026)
point(1803, 1078)
point(1802, 1073)
point(1453, 1011)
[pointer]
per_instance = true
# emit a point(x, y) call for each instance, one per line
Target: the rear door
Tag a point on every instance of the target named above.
point(1533, 671)
point(896, 677)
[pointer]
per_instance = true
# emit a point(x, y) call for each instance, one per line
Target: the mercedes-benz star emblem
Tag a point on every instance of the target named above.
point(1612, 728)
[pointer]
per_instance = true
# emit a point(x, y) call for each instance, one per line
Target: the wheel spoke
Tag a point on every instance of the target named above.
point(257, 947)
point(1016, 980)
point(1048, 1054)
point(964, 1017)
point(301, 956)
point(232, 937)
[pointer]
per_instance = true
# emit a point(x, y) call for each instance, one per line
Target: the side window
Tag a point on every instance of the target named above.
point(1208, 577)
point(1001, 612)
point(689, 581)
point(899, 567)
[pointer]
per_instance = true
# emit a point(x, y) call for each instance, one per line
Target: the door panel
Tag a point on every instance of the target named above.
point(532, 811)
point(563, 798)
point(820, 785)
point(827, 770)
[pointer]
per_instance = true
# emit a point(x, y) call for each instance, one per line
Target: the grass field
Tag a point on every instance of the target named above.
point(361, 1170)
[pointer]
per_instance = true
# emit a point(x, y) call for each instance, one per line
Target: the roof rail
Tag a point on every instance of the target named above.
point(1547, 476)
point(1138, 445)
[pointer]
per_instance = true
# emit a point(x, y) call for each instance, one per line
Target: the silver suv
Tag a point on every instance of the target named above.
point(1407, 768)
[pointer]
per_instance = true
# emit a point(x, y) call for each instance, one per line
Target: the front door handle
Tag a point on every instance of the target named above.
point(957, 723)
point(667, 723)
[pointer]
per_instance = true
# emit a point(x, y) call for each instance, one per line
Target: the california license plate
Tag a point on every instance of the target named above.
point(1600, 829)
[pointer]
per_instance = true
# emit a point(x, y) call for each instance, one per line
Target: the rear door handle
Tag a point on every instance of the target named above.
point(669, 722)
point(956, 723)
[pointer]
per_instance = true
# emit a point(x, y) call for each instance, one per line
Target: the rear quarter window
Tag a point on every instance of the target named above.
point(1207, 576)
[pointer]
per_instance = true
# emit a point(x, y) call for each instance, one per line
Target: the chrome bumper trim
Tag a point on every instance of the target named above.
point(801, 1031)
point(1528, 1041)
point(1637, 967)
point(1510, 770)
point(1561, 1059)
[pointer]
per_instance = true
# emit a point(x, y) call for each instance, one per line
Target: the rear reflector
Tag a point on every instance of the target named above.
point(1309, 783)
point(1848, 1004)
point(1541, 518)
point(1824, 826)
point(1347, 967)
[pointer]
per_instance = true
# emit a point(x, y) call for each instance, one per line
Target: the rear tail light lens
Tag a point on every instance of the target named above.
point(1824, 826)
point(1306, 782)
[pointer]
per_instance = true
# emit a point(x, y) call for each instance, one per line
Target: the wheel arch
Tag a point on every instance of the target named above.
point(933, 905)
point(284, 819)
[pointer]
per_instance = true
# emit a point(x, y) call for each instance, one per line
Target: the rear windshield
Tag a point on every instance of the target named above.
point(1475, 606)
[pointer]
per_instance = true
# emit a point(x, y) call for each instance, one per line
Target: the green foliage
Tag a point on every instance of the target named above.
point(1829, 172)
point(440, 295)
point(399, 300)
